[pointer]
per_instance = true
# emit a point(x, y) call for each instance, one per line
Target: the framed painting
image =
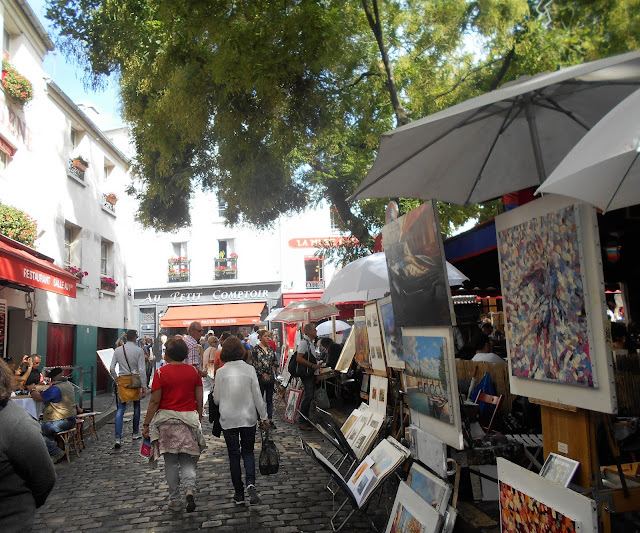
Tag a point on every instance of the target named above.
point(431, 385)
point(294, 397)
point(362, 341)
point(347, 354)
point(391, 335)
point(379, 386)
point(376, 352)
point(554, 308)
point(410, 515)
point(429, 450)
point(529, 502)
point(430, 488)
point(559, 469)
point(417, 269)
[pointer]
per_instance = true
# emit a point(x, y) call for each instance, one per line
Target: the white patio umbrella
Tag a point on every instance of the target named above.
point(325, 329)
point(604, 167)
point(367, 279)
point(305, 311)
point(502, 141)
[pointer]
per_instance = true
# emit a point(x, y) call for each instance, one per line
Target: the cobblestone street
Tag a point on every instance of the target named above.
point(115, 490)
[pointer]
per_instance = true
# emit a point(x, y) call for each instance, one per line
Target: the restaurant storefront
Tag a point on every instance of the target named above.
point(22, 271)
point(216, 307)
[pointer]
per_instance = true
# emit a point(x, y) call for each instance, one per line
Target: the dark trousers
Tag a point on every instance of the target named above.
point(309, 385)
point(240, 442)
point(267, 389)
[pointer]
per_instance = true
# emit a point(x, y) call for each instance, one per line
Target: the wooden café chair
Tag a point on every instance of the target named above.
point(68, 439)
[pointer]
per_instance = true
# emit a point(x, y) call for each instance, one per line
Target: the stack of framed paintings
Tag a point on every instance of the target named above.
point(429, 450)
point(529, 502)
point(553, 290)
point(417, 322)
point(361, 429)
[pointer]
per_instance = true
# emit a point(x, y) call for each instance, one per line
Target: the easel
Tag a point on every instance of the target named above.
point(571, 432)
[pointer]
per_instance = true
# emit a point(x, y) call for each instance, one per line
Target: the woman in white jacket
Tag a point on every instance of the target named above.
point(237, 393)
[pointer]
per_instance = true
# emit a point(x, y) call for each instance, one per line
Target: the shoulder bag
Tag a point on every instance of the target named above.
point(136, 382)
point(301, 371)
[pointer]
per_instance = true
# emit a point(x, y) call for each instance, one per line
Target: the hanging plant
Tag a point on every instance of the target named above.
point(17, 225)
point(16, 85)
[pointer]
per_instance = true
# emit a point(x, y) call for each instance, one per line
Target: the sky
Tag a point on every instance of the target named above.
point(69, 78)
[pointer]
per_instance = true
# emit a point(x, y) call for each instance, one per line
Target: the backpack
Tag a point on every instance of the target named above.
point(300, 371)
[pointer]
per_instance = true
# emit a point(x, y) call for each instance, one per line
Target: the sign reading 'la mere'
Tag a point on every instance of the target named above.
point(321, 242)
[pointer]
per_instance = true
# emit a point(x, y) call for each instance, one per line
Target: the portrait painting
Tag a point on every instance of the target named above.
point(391, 335)
point(544, 299)
point(291, 408)
point(418, 281)
point(426, 374)
point(362, 341)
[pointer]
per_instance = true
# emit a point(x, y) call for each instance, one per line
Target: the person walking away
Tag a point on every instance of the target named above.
point(207, 365)
point(147, 347)
point(27, 475)
point(130, 360)
point(305, 357)
point(237, 392)
point(264, 360)
point(173, 423)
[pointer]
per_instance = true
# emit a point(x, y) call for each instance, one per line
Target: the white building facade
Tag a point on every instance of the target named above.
point(79, 225)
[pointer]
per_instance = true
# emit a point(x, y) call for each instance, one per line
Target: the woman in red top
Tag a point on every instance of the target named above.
point(173, 421)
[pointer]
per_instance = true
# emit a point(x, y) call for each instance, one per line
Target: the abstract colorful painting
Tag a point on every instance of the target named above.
point(544, 300)
point(417, 269)
point(522, 513)
point(362, 341)
point(426, 374)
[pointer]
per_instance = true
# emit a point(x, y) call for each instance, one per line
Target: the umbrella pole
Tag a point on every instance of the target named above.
point(535, 142)
point(333, 328)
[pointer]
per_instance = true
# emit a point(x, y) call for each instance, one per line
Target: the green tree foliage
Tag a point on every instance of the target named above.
point(278, 104)
point(17, 225)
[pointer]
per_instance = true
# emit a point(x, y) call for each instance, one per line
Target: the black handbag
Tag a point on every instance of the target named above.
point(269, 460)
point(301, 371)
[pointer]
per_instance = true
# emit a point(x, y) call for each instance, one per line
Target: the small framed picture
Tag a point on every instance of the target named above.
point(559, 469)
point(294, 397)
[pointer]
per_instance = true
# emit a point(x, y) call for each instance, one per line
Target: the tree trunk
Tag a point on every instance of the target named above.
point(376, 28)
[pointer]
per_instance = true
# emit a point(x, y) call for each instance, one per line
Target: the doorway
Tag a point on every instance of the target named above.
point(60, 339)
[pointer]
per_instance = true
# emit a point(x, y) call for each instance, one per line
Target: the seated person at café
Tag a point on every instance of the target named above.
point(484, 353)
point(59, 412)
point(330, 352)
point(32, 375)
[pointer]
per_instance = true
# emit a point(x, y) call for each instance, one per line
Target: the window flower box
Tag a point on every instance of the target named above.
point(77, 272)
point(108, 284)
point(16, 85)
point(178, 269)
point(81, 164)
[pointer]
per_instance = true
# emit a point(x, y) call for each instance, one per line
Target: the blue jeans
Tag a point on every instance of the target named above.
point(120, 416)
point(309, 386)
point(268, 389)
point(240, 441)
point(49, 430)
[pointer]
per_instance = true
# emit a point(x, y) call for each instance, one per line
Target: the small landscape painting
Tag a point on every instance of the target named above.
point(544, 300)
point(426, 375)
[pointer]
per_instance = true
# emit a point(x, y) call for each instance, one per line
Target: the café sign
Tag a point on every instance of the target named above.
point(218, 295)
point(320, 242)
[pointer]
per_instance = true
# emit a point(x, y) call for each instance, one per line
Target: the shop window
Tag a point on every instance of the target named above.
point(71, 245)
point(107, 169)
point(6, 43)
point(314, 272)
point(105, 257)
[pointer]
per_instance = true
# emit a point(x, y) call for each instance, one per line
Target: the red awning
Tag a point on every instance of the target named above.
point(212, 315)
point(20, 264)
point(289, 297)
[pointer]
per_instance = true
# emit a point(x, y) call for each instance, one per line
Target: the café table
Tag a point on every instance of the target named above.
point(29, 405)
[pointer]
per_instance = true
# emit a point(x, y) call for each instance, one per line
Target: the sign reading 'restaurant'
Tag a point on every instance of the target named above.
point(31, 273)
point(320, 242)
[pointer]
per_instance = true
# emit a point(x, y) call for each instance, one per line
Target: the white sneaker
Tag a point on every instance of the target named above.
point(117, 444)
point(137, 436)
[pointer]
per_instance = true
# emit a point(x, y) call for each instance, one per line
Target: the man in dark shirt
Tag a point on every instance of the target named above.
point(31, 375)
point(330, 351)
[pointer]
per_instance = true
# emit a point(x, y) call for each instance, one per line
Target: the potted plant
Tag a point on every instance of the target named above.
point(80, 163)
point(16, 85)
point(108, 284)
point(233, 255)
point(111, 198)
point(77, 272)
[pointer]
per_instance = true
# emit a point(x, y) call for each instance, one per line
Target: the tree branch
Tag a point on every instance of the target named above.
point(464, 78)
point(503, 69)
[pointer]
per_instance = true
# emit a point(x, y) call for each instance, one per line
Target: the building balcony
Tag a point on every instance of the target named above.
point(109, 202)
point(179, 269)
point(75, 172)
point(315, 284)
point(226, 268)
